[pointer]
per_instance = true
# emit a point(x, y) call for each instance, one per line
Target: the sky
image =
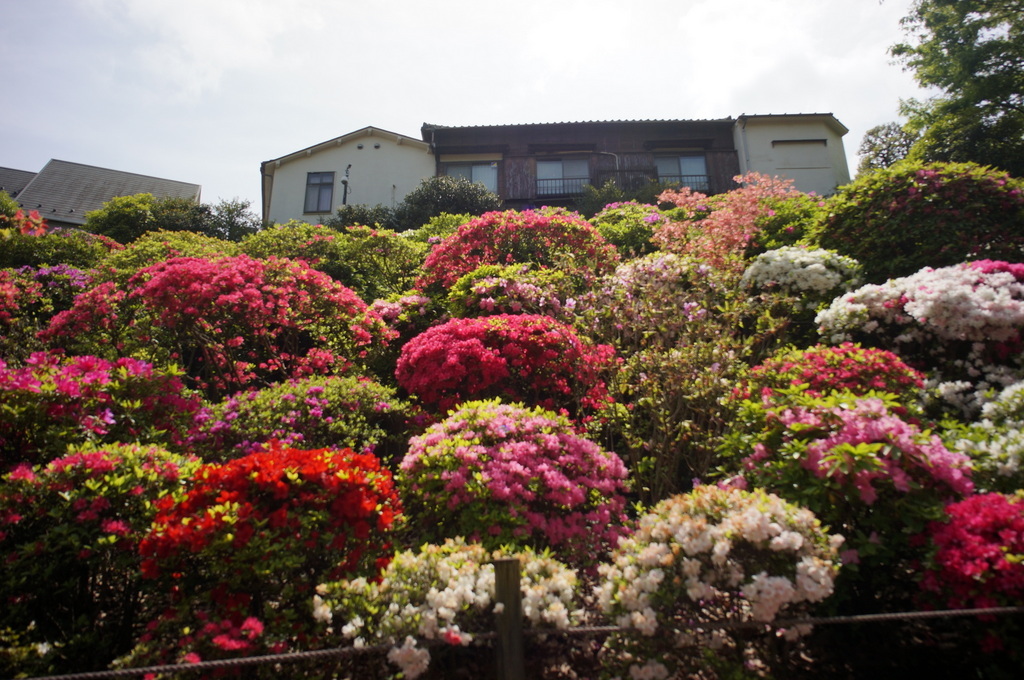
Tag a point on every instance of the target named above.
point(203, 91)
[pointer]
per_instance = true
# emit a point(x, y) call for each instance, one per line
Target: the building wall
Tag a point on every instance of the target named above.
point(807, 149)
point(384, 169)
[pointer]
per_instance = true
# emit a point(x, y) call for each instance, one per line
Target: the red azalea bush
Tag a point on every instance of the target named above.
point(824, 368)
point(29, 297)
point(548, 238)
point(978, 558)
point(231, 322)
point(518, 357)
point(251, 538)
point(69, 533)
point(56, 401)
point(504, 474)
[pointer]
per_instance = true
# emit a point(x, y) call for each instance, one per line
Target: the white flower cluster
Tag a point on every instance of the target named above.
point(951, 320)
point(443, 592)
point(816, 274)
point(713, 553)
point(995, 442)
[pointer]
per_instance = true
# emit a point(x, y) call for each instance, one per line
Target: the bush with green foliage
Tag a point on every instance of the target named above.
point(29, 297)
point(995, 441)
point(629, 226)
point(70, 579)
point(125, 218)
point(8, 206)
point(897, 220)
point(350, 412)
point(70, 247)
point(321, 247)
point(380, 263)
point(437, 228)
point(154, 247)
point(379, 216)
point(513, 289)
point(436, 195)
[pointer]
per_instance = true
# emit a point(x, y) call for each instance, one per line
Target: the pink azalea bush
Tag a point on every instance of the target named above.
point(513, 289)
point(506, 474)
point(55, 401)
point(237, 557)
point(960, 324)
point(548, 238)
point(864, 470)
point(703, 557)
point(339, 411)
point(230, 322)
point(719, 229)
point(825, 368)
point(519, 357)
point(69, 534)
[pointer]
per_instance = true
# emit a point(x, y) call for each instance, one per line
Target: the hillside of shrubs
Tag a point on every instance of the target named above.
point(699, 421)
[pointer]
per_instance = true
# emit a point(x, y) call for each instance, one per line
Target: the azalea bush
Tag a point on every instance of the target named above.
point(706, 557)
point(29, 297)
point(55, 401)
point(506, 474)
point(719, 229)
point(442, 592)
point(547, 238)
point(513, 289)
point(814, 276)
point(250, 540)
point(821, 369)
point(405, 315)
point(786, 220)
point(897, 220)
point(69, 532)
point(995, 441)
point(36, 246)
point(976, 559)
point(381, 262)
point(316, 412)
point(629, 226)
point(519, 357)
point(230, 322)
point(154, 247)
point(961, 325)
point(669, 412)
point(864, 470)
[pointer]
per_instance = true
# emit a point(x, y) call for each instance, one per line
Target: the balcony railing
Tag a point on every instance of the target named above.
point(567, 186)
point(700, 183)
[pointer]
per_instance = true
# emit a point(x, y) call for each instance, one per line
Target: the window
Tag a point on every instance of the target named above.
point(319, 192)
point(484, 173)
point(687, 171)
point(562, 177)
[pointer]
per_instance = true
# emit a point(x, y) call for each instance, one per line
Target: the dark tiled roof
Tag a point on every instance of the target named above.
point(65, 192)
point(13, 181)
point(427, 127)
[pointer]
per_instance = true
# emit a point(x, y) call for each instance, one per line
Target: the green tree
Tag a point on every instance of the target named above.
point(972, 51)
point(884, 145)
point(8, 206)
point(232, 220)
point(436, 195)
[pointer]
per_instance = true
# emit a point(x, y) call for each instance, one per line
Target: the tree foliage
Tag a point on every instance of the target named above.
point(884, 145)
point(436, 195)
point(972, 51)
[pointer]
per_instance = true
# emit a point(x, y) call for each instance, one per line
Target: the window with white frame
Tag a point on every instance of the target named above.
point(563, 177)
point(482, 173)
point(319, 192)
point(686, 170)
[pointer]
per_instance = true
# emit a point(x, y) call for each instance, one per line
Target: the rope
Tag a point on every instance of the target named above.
point(293, 657)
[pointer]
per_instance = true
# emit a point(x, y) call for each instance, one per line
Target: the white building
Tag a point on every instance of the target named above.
point(366, 167)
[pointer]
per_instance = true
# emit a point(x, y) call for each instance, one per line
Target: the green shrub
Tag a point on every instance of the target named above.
point(629, 226)
point(378, 215)
point(515, 289)
point(380, 262)
point(437, 228)
point(900, 219)
point(322, 248)
point(125, 218)
point(436, 195)
point(156, 246)
point(73, 247)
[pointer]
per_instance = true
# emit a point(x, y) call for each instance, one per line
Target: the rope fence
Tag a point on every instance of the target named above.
point(509, 634)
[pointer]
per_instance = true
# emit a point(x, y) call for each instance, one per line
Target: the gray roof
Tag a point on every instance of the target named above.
point(13, 181)
point(64, 192)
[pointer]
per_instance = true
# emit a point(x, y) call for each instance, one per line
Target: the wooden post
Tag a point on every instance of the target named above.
point(509, 646)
